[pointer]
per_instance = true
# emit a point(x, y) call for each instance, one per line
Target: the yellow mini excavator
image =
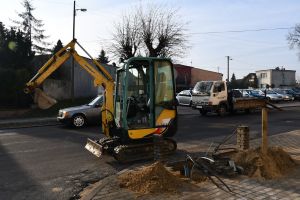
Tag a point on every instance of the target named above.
point(140, 103)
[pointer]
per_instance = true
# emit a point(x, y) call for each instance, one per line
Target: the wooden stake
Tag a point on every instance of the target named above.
point(264, 144)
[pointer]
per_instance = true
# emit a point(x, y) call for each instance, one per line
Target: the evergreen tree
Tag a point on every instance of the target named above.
point(57, 47)
point(57, 74)
point(15, 71)
point(33, 28)
point(233, 82)
point(102, 58)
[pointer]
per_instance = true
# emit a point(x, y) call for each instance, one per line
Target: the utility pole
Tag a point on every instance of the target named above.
point(228, 59)
point(72, 67)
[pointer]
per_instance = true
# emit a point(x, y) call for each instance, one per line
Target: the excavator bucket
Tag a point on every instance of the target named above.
point(94, 147)
point(43, 100)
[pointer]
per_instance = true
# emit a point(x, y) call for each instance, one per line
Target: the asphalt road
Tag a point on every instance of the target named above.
point(48, 163)
point(51, 163)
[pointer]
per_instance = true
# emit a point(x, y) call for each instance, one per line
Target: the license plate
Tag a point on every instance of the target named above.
point(198, 106)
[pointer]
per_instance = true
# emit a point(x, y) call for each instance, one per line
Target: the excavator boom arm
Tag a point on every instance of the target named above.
point(49, 67)
point(99, 73)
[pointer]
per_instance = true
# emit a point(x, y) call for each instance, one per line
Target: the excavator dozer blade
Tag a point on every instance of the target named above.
point(43, 100)
point(94, 147)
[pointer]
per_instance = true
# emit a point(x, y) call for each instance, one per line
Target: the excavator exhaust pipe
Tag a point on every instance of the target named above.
point(94, 147)
point(43, 100)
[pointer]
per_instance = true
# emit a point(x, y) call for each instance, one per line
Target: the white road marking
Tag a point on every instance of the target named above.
point(8, 134)
point(20, 142)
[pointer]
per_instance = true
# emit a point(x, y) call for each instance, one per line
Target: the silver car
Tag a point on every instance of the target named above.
point(184, 98)
point(80, 116)
point(285, 95)
point(273, 96)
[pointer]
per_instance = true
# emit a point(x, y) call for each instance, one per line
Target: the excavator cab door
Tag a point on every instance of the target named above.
point(145, 97)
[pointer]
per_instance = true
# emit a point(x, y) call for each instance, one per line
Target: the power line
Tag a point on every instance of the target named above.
point(242, 31)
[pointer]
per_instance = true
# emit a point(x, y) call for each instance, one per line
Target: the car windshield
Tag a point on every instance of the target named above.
point(255, 92)
point(203, 87)
point(280, 91)
point(95, 101)
point(271, 92)
point(289, 91)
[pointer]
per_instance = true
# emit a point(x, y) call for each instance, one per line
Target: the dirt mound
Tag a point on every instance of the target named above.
point(152, 179)
point(274, 164)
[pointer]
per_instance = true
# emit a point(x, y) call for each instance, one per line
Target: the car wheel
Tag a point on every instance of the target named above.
point(78, 121)
point(222, 110)
point(202, 112)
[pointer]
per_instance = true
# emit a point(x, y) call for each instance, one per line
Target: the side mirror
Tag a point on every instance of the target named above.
point(97, 105)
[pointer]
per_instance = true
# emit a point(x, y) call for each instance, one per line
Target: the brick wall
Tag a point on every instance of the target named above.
point(204, 75)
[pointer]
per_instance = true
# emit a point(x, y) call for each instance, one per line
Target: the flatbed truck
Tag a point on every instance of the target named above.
point(214, 96)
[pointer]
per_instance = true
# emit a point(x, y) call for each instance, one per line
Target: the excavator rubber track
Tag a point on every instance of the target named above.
point(125, 153)
point(143, 151)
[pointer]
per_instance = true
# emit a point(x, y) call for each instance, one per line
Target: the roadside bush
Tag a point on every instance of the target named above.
point(12, 84)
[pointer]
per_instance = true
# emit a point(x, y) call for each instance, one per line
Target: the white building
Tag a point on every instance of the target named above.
point(278, 78)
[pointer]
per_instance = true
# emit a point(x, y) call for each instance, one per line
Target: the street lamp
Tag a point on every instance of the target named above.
point(72, 69)
point(228, 59)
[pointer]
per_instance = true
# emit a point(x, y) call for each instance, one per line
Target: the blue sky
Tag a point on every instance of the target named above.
point(250, 50)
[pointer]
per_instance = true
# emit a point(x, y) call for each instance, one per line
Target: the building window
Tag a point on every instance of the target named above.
point(263, 75)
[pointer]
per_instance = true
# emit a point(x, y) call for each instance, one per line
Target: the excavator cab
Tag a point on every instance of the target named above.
point(145, 97)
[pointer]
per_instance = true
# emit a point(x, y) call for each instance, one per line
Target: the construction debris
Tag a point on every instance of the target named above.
point(151, 179)
point(274, 164)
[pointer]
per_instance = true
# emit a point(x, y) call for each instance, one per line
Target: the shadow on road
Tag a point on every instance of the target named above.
point(16, 182)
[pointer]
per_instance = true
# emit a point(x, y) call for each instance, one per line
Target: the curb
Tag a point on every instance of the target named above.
point(27, 123)
point(89, 193)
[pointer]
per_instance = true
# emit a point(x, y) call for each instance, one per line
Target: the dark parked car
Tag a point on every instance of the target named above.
point(287, 96)
point(80, 116)
point(294, 93)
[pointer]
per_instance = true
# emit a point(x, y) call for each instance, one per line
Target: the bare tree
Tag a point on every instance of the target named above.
point(126, 37)
point(162, 32)
point(294, 37)
point(150, 31)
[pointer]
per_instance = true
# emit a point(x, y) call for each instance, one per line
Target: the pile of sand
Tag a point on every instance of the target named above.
point(274, 164)
point(152, 179)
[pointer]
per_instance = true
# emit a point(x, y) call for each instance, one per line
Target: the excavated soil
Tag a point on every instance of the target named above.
point(151, 179)
point(274, 164)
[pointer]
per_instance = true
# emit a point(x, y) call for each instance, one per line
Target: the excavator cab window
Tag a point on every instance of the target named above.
point(138, 95)
point(133, 95)
point(119, 97)
point(144, 89)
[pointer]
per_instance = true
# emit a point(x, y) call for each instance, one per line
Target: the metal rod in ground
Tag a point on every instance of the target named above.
point(264, 144)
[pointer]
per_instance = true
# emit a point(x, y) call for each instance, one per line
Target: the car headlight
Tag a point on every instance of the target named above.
point(63, 114)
